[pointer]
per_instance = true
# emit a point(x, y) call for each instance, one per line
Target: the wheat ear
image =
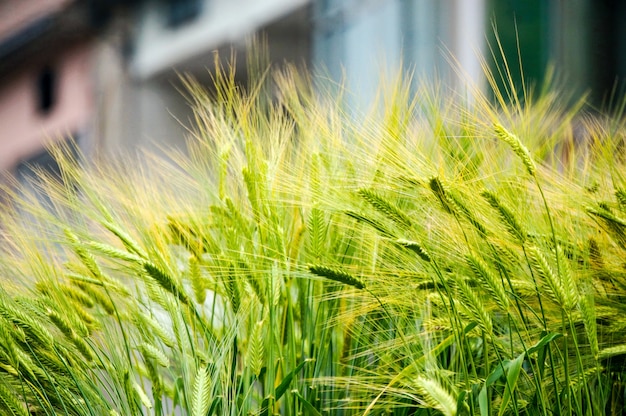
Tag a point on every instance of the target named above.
point(554, 283)
point(317, 228)
point(201, 393)
point(620, 195)
point(337, 275)
point(458, 206)
point(12, 403)
point(386, 207)
point(506, 216)
point(256, 349)
point(372, 223)
point(474, 306)
point(166, 282)
point(436, 396)
point(415, 248)
point(439, 191)
point(615, 225)
point(489, 281)
point(517, 146)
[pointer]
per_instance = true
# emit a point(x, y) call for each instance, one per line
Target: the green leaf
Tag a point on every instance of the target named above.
point(543, 342)
point(269, 401)
point(461, 405)
point(512, 374)
point(540, 347)
point(179, 387)
point(483, 402)
point(282, 387)
point(308, 407)
point(512, 370)
point(214, 405)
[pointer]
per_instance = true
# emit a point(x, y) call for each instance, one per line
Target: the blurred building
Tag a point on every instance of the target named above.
point(145, 105)
point(46, 87)
point(105, 72)
point(585, 41)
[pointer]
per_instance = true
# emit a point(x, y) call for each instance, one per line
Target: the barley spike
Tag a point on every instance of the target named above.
point(337, 276)
point(516, 145)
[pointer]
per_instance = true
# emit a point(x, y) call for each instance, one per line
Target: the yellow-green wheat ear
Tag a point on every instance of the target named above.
point(197, 283)
point(337, 275)
point(435, 395)
point(517, 146)
point(415, 248)
point(166, 281)
point(615, 225)
point(386, 207)
point(439, 191)
point(620, 194)
point(231, 286)
point(462, 209)
point(507, 217)
point(256, 349)
point(11, 402)
point(489, 281)
point(474, 306)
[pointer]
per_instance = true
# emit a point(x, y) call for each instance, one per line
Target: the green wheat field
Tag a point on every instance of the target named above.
point(437, 255)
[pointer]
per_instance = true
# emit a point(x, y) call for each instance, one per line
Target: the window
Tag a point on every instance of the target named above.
point(46, 90)
point(182, 11)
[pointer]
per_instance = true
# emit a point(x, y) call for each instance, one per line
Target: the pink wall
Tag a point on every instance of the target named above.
point(23, 129)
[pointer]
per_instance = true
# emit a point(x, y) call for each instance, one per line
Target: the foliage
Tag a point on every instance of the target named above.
point(430, 257)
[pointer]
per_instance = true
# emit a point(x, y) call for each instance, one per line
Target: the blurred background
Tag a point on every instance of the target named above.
point(105, 72)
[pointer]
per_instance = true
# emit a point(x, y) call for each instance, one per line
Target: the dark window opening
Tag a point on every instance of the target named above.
point(46, 90)
point(182, 11)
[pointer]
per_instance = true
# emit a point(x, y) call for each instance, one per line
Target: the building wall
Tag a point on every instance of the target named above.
point(121, 89)
point(23, 128)
point(140, 97)
point(362, 41)
point(159, 47)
